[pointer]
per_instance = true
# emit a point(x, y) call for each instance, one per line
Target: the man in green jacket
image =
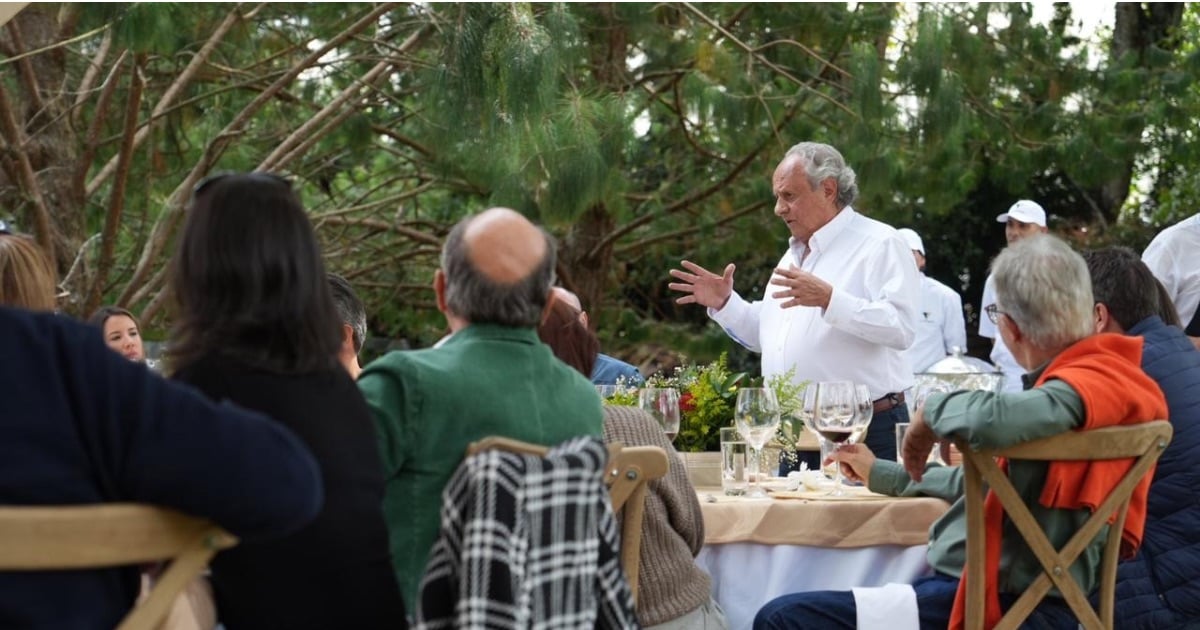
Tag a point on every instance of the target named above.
point(491, 376)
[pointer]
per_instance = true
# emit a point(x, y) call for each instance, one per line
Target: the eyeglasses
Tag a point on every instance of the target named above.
point(216, 177)
point(993, 313)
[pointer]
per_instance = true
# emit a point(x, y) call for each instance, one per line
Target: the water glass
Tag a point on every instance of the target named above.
point(734, 458)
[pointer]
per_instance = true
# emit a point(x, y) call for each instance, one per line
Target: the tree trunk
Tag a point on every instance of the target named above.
point(1137, 27)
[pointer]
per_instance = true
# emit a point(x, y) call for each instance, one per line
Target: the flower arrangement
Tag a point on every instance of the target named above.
point(707, 394)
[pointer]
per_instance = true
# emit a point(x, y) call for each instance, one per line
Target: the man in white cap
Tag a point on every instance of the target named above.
point(941, 327)
point(1024, 218)
point(1174, 258)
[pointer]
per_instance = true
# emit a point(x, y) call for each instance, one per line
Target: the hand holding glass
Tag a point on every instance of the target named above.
point(756, 414)
point(834, 418)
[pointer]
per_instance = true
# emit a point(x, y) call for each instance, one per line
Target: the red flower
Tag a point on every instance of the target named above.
point(685, 402)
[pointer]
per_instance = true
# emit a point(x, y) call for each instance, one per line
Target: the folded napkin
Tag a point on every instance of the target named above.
point(890, 607)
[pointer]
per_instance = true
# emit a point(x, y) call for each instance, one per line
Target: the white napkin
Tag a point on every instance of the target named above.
point(890, 607)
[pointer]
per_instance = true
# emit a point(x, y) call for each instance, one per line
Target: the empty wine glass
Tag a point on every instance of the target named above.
point(663, 404)
point(864, 410)
point(756, 414)
point(833, 420)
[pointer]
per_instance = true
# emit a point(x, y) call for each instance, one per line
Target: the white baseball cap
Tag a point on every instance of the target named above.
point(913, 239)
point(1025, 211)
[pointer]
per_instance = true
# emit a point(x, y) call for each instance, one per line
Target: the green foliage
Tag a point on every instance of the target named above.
point(706, 401)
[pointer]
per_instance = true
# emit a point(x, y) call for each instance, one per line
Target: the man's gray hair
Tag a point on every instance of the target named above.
point(1044, 286)
point(822, 162)
point(472, 295)
point(349, 308)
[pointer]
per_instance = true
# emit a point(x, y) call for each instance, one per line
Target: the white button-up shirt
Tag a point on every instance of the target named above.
point(1174, 258)
point(870, 321)
point(1001, 356)
point(940, 325)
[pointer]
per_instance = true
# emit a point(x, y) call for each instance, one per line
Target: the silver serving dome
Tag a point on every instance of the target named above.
point(958, 371)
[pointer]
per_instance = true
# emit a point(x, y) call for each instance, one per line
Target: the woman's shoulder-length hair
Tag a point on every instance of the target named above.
point(248, 280)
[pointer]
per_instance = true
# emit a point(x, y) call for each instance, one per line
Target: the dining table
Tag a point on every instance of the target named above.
point(805, 540)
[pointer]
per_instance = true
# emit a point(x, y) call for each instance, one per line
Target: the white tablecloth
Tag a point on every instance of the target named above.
point(748, 575)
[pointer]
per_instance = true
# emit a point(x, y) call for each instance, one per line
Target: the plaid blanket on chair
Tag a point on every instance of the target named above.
point(527, 542)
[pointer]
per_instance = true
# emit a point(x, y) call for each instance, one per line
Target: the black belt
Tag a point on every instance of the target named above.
point(889, 402)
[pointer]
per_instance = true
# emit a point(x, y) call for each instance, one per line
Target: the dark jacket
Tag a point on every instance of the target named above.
point(80, 424)
point(1160, 587)
point(337, 571)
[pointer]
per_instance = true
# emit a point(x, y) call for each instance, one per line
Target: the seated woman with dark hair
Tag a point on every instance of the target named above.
point(255, 324)
point(121, 331)
point(673, 592)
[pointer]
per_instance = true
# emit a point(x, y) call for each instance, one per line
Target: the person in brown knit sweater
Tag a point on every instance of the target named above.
point(673, 591)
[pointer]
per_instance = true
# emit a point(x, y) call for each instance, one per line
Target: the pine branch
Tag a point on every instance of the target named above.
point(26, 180)
point(415, 235)
point(116, 198)
point(636, 246)
point(25, 71)
point(764, 61)
point(90, 76)
point(173, 91)
point(165, 224)
point(92, 141)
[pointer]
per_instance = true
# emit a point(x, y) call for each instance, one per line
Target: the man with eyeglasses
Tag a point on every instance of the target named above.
point(1077, 380)
point(1024, 218)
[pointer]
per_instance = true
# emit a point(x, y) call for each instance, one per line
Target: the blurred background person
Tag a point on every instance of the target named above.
point(354, 322)
point(255, 324)
point(27, 277)
point(673, 591)
point(606, 370)
point(121, 331)
point(940, 327)
point(1024, 218)
point(1174, 258)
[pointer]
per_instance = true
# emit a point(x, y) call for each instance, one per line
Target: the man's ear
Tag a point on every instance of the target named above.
point(829, 188)
point(348, 340)
point(1105, 322)
point(551, 297)
point(439, 290)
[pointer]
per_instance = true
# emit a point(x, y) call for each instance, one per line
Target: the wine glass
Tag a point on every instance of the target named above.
point(663, 404)
point(833, 420)
point(756, 414)
point(864, 411)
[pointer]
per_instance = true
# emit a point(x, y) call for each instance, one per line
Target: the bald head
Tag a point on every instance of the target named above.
point(568, 297)
point(498, 269)
point(503, 245)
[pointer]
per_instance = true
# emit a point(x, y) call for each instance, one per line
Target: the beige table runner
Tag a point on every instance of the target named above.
point(841, 524)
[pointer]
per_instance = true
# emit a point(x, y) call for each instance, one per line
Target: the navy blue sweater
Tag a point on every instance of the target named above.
point(79, 424)
point(1160, 587)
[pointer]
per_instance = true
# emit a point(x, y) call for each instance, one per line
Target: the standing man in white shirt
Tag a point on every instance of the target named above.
point(940, 327)
point(1023, 219)
point(1174, 258)
point(842, 303)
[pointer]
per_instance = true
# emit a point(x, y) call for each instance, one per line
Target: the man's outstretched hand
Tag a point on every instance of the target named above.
point(701, 286)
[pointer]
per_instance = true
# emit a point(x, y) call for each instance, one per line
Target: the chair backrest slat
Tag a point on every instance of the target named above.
point(1143, 443)
point(112, 535)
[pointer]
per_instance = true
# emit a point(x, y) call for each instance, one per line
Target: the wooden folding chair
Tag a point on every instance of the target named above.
point(1142, 442)
point(112, 535)
point(630, 468)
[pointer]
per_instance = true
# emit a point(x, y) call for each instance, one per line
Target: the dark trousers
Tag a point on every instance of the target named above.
point(835, 610)
point(881, 435)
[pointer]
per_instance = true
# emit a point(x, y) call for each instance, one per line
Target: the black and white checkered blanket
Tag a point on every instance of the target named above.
point(527, 542)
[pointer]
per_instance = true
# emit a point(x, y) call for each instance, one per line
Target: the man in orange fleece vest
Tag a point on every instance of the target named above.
point(1077, 380)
